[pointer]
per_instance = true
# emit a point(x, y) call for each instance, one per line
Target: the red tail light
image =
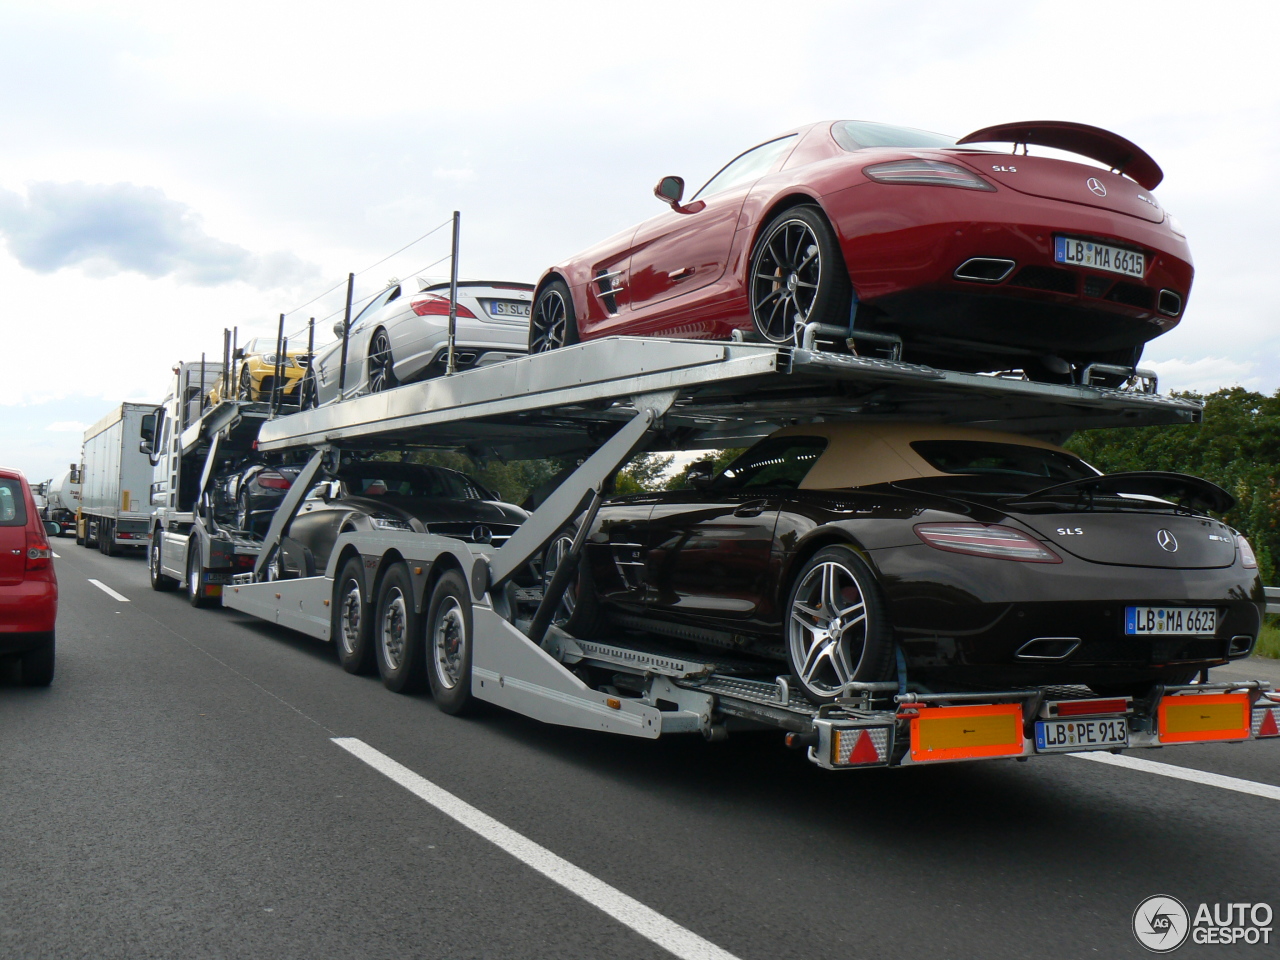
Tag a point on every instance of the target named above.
point(986, 540)
point(438, 307)
point(1248, 559)
point(929, 173)
point(274, 481)
point(39, 553)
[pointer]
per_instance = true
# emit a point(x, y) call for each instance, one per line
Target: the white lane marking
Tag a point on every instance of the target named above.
point(108, 591)
point(1184, 773)
point(632, 913)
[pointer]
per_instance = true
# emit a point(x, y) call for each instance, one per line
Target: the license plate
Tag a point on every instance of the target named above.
point(516, 309)
point(1170, 621)
point(1098, 256)
point(1080, 734)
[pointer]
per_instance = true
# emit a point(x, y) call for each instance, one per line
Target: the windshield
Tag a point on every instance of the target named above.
point(779, 463)
point(747, 167)
point(407, 480)
point(858, 134)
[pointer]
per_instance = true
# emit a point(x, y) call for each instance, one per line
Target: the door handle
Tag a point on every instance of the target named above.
point(684, 273)
point(752, 509)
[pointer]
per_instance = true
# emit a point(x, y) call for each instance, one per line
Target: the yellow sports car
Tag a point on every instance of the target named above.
point(254, 373)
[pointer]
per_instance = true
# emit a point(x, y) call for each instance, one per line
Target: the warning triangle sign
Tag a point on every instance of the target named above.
point(864, 751)
point(1267, 729)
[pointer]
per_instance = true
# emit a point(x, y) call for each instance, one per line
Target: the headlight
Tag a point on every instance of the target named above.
point(269, 358)
point(388, 523)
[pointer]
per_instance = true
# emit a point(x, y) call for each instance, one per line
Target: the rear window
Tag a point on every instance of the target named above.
point(779, 463)
point(13, 511)
point(857, 134)
point(981, 458)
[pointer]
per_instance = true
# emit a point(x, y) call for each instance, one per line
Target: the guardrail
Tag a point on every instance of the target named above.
point(1273, 599)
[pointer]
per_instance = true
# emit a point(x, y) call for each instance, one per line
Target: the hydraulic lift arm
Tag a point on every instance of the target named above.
point(287, 509)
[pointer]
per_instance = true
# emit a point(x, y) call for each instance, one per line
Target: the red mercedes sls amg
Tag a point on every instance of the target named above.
point(898, 242)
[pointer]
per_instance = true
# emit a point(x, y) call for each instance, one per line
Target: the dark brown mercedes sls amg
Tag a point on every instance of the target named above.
point(986, 559)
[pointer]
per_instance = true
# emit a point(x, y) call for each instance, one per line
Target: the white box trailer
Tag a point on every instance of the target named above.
point(115, 480)
point(613, 397)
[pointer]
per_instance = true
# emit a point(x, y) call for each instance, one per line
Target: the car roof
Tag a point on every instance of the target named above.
point(11, 473)
point(862, 454)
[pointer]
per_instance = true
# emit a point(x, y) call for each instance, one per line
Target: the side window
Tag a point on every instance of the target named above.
point(752, 165)
point(12, 513)
point(378, 302)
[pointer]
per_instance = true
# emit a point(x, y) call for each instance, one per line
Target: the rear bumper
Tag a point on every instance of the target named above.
point(30, 607)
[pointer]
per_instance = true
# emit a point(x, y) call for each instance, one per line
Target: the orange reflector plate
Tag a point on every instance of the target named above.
point(959, 733)
point(1194, 718)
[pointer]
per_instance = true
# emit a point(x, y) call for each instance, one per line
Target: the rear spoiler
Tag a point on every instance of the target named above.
point(1188, 492)
point(1092, 142)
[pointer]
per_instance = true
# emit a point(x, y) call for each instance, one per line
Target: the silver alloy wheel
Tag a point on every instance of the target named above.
point(785, 277)
point(193, 570)
point(555, 555)
point(827, 628)
point(449, 643)
point(393, 634)
point(349, 619)
point(153, 558)
point(381, 375)
point(549, 322)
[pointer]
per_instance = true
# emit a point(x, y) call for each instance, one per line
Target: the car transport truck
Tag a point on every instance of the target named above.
point(448, 608)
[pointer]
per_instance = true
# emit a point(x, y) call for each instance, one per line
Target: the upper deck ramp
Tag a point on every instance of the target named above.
point(726, 394)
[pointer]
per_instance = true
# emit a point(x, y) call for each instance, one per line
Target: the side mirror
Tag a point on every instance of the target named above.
point(670, 190)
point(237, 353)
point(148, 426)
point(700, 474)
point(75, 473)
point(338, 328)
point(52, 529)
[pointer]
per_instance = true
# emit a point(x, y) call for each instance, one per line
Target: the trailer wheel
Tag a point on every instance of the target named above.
point(350, 630)
point(159, 580)
point(798, 275)
point(837, 628)
point(195, 576)
point(37, 664)
point(552, 323)
point(449, 643)
point(399, 644)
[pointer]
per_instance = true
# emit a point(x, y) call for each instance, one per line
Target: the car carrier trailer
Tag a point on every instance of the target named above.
point(607, 399)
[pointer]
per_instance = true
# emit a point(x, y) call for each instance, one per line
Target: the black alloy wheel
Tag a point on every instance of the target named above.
point(351, 630)
point(159, 580)
point(551, 322)
point(382, 374)
point(195, 576)
point(245, 389)
point(399, 648)
point(798, 276)
point(308, 396)
point(837, 630)
point(448, 643)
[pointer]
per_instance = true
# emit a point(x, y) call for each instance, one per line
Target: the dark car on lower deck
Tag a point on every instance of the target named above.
point(986, 559)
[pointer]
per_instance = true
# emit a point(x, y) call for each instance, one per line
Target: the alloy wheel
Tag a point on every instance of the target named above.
point(449, 643)
point(556, 553)
point(381, 375)
point(785, 279)
point(827, 628)
point(393, 638)
point(349, 619)
point(549, 322)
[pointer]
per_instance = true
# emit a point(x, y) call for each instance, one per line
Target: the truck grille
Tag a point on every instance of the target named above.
point(474, 531)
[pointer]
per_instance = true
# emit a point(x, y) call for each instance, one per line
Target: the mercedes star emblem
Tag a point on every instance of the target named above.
point(1167, 541)
point(482, 534)
point(1096, 185)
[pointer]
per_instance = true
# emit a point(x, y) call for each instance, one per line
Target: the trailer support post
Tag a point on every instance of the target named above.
point(274, 399)
point(346, 331)
point(453, 296)
point(287, 510)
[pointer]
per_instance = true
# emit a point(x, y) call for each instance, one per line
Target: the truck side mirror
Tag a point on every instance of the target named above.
point(148, 426)
point(75, 473)
point(699, 474)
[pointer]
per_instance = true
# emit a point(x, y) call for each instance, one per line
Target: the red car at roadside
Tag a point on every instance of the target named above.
point(28, 584)
point(928, 248)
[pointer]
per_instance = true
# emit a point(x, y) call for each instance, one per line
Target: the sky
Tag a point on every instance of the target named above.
point(168, 170)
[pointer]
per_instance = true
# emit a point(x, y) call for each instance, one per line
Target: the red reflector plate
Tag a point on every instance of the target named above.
point(960, 733)
point(1196, 718)
point(1266, 722)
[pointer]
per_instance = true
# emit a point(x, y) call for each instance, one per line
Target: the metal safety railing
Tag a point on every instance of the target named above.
point(1273, 599)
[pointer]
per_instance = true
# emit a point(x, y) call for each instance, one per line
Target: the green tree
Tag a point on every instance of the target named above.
point(1237, 447)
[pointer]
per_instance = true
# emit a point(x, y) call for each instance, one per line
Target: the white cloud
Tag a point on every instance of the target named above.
point(67, 426)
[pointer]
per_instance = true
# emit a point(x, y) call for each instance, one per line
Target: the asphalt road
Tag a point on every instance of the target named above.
point(177, 793)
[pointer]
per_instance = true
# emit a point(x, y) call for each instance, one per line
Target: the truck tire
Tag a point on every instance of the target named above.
point(91, 533)
point(449, 642)
point(195, 577)
point(159, 581)
point(107, 539)
point(37, 664)
point(398, 641)
point(351, 628)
